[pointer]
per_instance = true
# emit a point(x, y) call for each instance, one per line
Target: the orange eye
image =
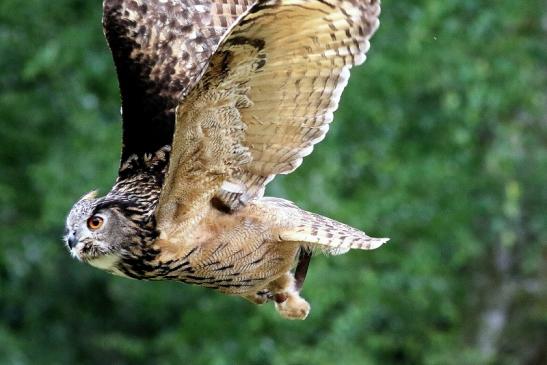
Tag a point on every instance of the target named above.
point(95, 222)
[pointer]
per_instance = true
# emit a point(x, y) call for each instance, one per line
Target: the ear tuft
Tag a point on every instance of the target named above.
point(90, 196)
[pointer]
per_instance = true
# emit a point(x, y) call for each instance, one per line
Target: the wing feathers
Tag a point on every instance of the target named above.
point(291, 134)
point(328, 235)
point(291, 61)
point(160, 49)
point(309, 47)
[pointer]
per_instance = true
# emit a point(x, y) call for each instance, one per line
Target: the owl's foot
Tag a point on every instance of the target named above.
point(288, 301)
point(294, 307)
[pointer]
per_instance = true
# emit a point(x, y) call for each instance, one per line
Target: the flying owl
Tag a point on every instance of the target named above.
point(218, 97)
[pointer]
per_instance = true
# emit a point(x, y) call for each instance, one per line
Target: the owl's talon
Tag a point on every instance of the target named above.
point(280, 298)
point(295, 307)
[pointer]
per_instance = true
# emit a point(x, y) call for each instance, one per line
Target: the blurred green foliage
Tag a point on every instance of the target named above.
point(439, 143)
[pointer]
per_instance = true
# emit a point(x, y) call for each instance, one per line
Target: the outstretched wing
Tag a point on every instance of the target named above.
point(160, 48)
point(267, 97)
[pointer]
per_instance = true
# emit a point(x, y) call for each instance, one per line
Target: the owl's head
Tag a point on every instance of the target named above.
point(97, 231)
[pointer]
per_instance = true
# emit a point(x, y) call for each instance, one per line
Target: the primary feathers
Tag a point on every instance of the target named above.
point(218, 97)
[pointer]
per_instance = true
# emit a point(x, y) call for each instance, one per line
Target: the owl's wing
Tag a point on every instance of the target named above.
point(160, 48)
point(267, 97)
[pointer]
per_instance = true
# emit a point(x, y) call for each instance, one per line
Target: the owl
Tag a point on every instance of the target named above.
point(219, 97)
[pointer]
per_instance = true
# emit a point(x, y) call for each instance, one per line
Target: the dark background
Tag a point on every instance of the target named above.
point(439, 143)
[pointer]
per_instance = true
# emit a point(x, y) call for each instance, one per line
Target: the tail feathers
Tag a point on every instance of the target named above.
point(327, 235)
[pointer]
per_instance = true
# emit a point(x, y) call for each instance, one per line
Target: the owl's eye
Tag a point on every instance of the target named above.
point(95, 222)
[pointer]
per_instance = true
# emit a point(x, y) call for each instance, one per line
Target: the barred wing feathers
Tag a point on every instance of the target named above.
point(318, 232)
point(267, 96)
point(307, 49)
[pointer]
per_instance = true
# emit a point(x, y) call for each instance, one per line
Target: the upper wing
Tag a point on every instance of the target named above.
point(267, 97)
point(160, 48)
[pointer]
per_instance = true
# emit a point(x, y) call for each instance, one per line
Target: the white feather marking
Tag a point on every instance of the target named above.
point(107, 263)
point(233, 187)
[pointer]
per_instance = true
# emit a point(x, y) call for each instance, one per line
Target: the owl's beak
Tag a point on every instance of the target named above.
point(72, 240)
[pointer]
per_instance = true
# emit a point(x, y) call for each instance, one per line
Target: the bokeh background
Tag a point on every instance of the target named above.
point(439, 143)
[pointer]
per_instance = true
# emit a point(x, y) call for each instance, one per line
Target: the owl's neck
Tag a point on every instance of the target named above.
point(140, 181)
point(138, 189)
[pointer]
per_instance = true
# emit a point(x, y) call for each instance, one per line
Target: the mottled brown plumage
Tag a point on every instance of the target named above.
point(160, 49)
point(256, 86)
